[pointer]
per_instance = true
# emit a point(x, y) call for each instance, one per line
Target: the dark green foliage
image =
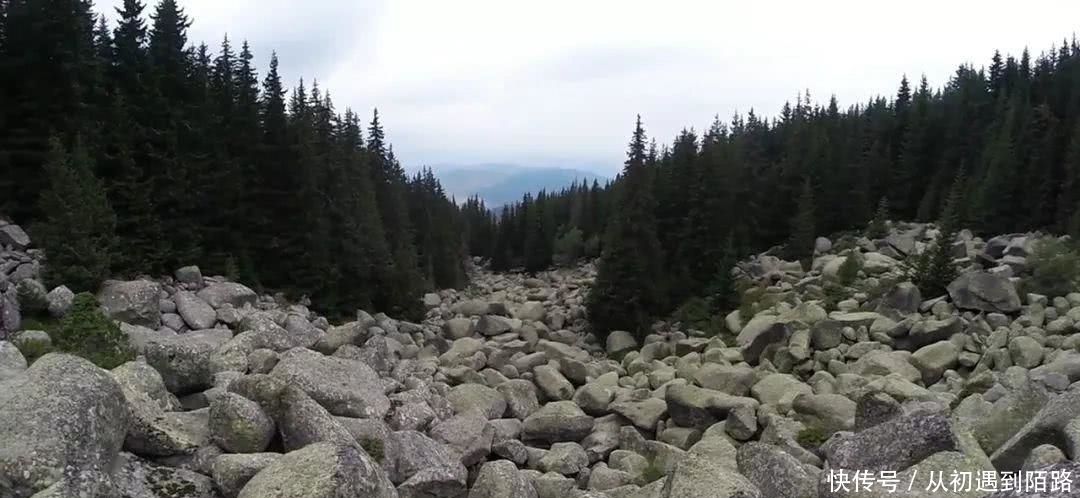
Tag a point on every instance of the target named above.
point(698, 314)
point(1055, 268)
point(85, 331)
point(626, 294)
point(879, 228)
point(78, 231)
point(849, 270)
point(800, 244)
point(933, 270)
point(202, 165)
point(569, 247)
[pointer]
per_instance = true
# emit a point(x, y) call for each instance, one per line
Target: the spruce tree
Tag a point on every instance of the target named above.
point(800, 244)
point(77, 231)
point(1068, 201)
point(625, 295)
point(933, 270)
point(879, 224)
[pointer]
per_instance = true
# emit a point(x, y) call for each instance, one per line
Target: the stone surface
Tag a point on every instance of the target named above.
point(61, 424)
point(984, 291)
point(320, 470)
point(344, 387)
point(232, 472)
point(134, 302)
point(239, 425)
point(184, 360)
point(196, 313)
point(892, 445)
point(501, 479)
point(556, 422)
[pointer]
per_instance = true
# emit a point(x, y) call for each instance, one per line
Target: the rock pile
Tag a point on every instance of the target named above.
point(501, 393)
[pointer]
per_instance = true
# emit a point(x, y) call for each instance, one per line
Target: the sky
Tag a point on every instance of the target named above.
point(559, 82)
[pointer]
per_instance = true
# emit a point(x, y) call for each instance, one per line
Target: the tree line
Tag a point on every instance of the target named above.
point(130, 151)
point(996, 149)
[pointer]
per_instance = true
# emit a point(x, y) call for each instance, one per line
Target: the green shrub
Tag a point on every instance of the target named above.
point(1055, 268)
point(592, 247)
point(849, 270)
point(812, 436)
point(834, 293)
point(697, 313)
point(31, 348)
point(569, 247)
point(85, 331)
point(879, 228)
point(373, 447)
point(933, 270)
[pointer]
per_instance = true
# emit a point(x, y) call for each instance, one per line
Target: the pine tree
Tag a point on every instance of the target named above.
point(78, 231)
point(402, 297)
point(1068, 201)
point(625, 295)
point(879, 225)
point(800, 244)
point(934, 270)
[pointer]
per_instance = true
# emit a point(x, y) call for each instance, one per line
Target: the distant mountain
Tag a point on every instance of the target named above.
point(499, 184)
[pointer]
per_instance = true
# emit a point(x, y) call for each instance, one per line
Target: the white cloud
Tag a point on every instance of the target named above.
point(560, 81)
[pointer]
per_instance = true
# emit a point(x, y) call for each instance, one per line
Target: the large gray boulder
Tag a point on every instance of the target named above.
point(620, 342)
point(893, 445)
point(1048, 426)
point(557, 422)
point(760, 332)
point(239, 425)
point(903, 299)
point(137, 478)
point(221, 293)
point(138, 376)
point(321, 470)
point(424, 467)
point(501, 479)
point(344, 387)
point(520, 396)
point(692, 406)
point(14, 236)
point(701, 475)
point(467, 397)
point(468, 434)
point(133, 301)
point(60, 301)
point(154, 432)
point(984, 291)
point(184, 360)
point(32, 296)
point(302, 421)
point(12, 362)
point(232, 472)
point(189, 275)
point(775, 472)
point(196, 313)
point(62, 423)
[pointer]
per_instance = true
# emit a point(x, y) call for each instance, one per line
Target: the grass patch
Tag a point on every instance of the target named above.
point(652, 473)
point(812, 436)
point(374, 448)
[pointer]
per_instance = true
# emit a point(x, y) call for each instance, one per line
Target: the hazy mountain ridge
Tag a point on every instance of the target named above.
point(499, 184)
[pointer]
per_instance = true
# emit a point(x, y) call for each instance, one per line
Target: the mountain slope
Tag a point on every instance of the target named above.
point(499, 184)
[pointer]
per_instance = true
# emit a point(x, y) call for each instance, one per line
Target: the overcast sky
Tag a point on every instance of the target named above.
point(559, 82)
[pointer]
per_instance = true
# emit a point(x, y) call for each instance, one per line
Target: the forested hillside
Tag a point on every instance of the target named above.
point(165, 153)
point(1007, 136)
